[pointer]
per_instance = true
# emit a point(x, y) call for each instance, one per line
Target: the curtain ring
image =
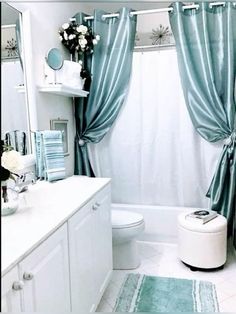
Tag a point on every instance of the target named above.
point(214, 4)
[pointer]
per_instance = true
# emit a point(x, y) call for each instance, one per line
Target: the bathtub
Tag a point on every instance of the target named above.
point(160, 221)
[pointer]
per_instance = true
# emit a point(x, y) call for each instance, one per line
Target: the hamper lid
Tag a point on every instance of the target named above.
point(217, 224)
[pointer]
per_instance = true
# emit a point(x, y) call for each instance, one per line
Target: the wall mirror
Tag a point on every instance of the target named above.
point(16, 105)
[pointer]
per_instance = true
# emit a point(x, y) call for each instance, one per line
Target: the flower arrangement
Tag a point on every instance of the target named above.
point(78, 38)
point(10, 162)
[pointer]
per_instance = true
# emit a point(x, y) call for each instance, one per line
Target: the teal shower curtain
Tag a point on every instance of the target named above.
point(206, 49)
point(110, 66)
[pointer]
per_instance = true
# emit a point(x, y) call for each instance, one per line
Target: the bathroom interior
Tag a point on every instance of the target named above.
point(120, 156)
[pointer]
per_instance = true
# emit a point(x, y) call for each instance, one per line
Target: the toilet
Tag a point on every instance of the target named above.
point(126, 226)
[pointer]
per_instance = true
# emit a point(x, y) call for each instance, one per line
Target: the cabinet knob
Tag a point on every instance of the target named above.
point(98, 204)
point(17, 285)
point(28, 276)
point(94, 207)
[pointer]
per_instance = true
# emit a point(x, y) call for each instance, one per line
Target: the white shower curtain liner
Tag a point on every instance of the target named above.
point(152, 153)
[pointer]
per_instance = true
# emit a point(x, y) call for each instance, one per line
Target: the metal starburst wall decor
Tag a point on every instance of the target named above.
point(160, 35)
point(11, 48)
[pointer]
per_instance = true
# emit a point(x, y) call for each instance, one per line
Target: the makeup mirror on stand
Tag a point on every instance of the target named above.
point(55, 61)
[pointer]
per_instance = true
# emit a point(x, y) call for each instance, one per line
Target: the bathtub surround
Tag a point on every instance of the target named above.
point(161, 222)
point(141, 293)
point(206, 49)
point(111, 68)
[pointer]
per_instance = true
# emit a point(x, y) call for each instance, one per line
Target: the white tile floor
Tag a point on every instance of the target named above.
point(158, 259)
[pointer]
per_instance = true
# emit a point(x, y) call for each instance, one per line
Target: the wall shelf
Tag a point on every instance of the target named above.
point(20, 88)
point(63, 90)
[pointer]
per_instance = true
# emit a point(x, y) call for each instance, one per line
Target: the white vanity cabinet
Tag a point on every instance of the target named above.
point(90, 248)
point(45, 273)
point(102, 242)
point(61, 261)
point(11, 292)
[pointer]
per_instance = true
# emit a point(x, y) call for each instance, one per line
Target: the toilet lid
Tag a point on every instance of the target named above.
point(122, 219)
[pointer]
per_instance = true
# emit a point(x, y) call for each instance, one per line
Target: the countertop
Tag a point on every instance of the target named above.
point(43, 209)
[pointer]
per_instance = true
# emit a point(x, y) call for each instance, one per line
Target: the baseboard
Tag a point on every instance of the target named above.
point(103, 288)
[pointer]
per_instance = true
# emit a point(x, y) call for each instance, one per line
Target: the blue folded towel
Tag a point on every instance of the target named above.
point(17, 139)
point(39, 156)
point(50, 163)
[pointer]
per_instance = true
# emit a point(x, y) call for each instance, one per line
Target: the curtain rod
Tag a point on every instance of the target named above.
point(153, 47)
point(186, 7)
point(8, 26)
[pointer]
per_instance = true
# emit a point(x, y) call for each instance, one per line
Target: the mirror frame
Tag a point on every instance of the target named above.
point(30, 87)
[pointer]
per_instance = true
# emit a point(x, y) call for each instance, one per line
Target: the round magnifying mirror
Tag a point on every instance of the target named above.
point(55, 59)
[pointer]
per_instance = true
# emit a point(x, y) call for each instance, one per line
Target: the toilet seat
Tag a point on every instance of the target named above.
point(123, 219)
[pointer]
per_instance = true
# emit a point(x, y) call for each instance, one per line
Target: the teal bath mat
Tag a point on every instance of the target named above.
point(141, 293)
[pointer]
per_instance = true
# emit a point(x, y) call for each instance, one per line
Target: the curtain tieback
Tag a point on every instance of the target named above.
point(229, 140)
point(81, 142)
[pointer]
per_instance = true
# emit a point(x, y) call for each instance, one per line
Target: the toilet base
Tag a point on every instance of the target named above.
point(125, 255)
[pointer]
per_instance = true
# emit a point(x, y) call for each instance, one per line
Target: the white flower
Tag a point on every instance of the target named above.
point(82, 42)
point(61, 38)
point(82, 29)
point(65, 35)
point(98, 37)
point(71, 36)
point(65, 25)
point(11, 160)
point(80, 62)
point(95, 41)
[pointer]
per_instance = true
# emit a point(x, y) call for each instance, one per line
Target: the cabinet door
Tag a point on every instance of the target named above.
point(10, 297)
point(81, 260)
point(90, 247)
point(102, 241)
point(45, 272)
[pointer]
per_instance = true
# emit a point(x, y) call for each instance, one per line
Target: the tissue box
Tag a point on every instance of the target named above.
point(69, 74)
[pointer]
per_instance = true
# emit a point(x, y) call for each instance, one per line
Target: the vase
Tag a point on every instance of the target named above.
point(9, 199)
